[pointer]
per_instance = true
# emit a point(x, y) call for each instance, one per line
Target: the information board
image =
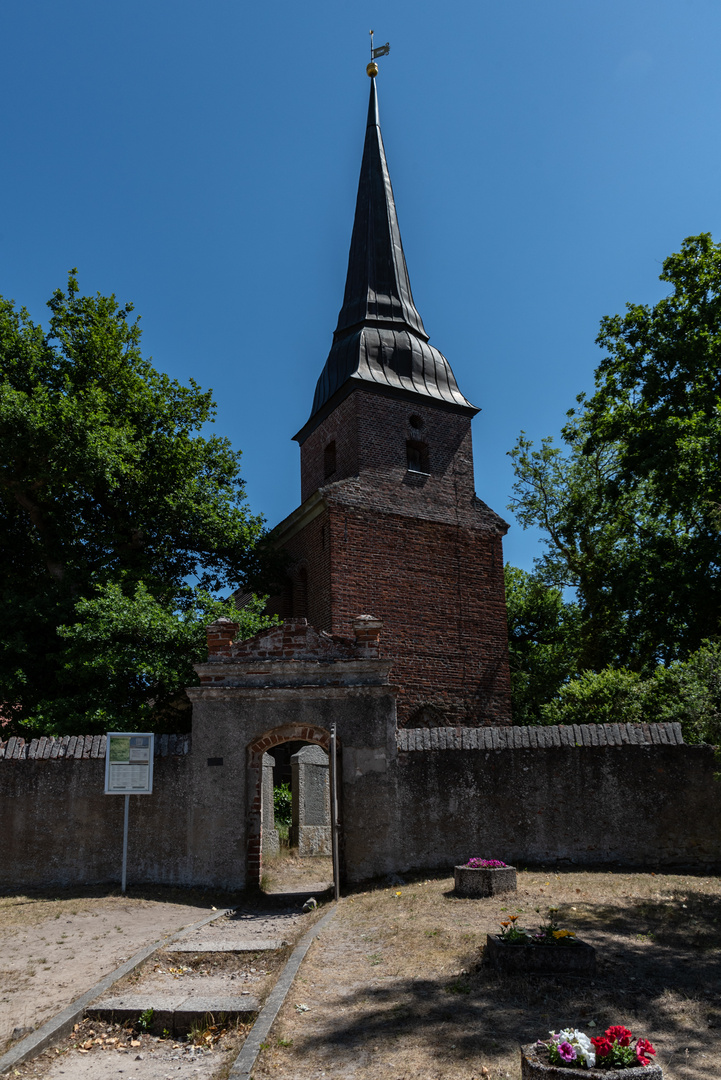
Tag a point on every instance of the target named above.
point(129, 763)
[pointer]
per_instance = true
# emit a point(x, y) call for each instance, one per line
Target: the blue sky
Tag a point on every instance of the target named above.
point(201, 160)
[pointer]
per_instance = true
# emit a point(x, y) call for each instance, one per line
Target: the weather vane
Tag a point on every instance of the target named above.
point(382, 50)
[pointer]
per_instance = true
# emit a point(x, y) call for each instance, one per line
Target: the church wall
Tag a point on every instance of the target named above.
point(60, 829)
point(341, 427)
point(310, 551)
point(440, 592)
point(649, 806)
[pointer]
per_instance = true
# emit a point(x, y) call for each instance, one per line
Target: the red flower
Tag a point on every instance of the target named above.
point(619, 1034)
point(643, 1046)
point(602, 1044)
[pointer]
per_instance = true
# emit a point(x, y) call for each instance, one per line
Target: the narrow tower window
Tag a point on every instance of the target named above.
point(417, 456)
point(329, 459)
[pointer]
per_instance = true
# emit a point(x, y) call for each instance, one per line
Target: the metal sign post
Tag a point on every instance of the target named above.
point(124, 875)
point(128, 771)
point(334, 823)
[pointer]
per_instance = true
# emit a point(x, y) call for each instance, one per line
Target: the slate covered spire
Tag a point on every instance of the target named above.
point(377, 288)
point(380, 341)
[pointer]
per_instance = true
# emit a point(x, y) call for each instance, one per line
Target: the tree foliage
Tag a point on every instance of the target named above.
point(630, 510)
point(686, 692)
point(111, 502)
point(542, 640)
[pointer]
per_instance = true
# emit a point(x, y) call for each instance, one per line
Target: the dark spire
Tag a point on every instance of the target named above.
point(380, 338)
point(377, 289)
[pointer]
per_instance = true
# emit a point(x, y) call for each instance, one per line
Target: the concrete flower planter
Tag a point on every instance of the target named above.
point(578, 959)
point(484, 881)
point(534, 1066)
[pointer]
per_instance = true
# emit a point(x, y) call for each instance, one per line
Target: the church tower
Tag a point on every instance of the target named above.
point(389, 522)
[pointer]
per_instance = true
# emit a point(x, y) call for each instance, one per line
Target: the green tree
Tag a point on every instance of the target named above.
point(610, 696)
point(630, 511)
point(542, 640)
point(687, 692)
point(111, 502)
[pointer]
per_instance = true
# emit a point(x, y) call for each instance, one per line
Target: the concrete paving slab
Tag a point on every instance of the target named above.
point(175, 1013)
point(132, 1006)
point(196, 1010)
point(220, 946)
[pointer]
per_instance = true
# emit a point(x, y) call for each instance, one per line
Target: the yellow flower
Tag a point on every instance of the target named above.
point(513, 917)
point(563, 933)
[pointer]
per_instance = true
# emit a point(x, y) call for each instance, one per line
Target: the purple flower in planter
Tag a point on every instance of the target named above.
point(566, 1051)
point(485, 864)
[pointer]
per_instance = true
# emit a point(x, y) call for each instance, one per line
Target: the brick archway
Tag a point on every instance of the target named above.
point(308, 733)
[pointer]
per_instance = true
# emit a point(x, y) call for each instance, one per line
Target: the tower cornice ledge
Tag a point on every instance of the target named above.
point(400, 393)
point(309, 510)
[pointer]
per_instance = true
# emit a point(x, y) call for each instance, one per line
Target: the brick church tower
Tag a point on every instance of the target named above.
point(389, 521)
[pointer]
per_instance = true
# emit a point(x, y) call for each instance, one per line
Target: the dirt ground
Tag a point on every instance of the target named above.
point(98, 1051)
point(396, 986)
point(289, 873)
point(95, 924)
point(55, 947)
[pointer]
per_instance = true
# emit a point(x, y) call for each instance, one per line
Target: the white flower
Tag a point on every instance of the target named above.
point(579, 1041)
point(584, 1044)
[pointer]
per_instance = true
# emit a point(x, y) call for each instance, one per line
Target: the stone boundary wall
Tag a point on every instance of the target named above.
point(595, 795)
point(61, 829)
point(523, 738)
point(78, 747)
point(635, 798)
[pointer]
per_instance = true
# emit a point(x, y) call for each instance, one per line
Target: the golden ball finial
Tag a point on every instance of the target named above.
point(372, 70)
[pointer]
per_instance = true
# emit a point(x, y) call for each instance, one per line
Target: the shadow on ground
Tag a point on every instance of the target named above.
point(659, 972)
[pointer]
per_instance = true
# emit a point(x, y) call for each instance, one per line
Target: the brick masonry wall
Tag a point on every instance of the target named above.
point(439, 591)
point(421, 552)
point(309, 551)
point(370, 432)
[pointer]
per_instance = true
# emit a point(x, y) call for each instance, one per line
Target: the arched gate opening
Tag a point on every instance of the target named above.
point(264, 744)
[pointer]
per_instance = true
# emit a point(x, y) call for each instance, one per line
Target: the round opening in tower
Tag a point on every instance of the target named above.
point(415, 422)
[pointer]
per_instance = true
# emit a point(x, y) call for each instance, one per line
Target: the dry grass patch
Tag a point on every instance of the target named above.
point(396, 985)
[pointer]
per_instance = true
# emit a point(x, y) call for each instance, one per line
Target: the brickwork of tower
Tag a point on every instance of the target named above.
point(417, 550)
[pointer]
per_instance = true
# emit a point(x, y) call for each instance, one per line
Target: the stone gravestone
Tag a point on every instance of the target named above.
point(311, 801)
point(271, 841)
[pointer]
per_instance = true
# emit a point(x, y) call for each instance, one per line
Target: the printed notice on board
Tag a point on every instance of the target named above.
point(129, 764)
